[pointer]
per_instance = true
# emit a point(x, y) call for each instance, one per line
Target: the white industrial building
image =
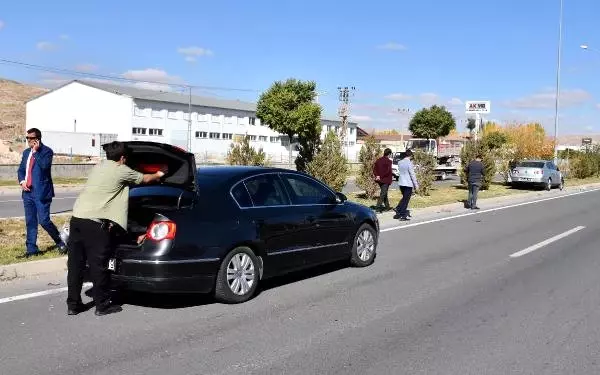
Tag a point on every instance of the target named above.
point(80, 115)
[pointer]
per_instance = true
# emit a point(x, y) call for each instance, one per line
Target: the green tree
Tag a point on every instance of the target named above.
point(471, 125)
point(425, 170)
point(330, 165)
point(469, 152)
point(495, 140)
point(241, 153)
point(288, 108)
point(369, 153)
point(432, 123)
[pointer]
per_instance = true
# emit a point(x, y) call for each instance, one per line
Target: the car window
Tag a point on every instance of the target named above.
point(266, 190)
point(240, 194)
point(531, 164)
point(306, 191)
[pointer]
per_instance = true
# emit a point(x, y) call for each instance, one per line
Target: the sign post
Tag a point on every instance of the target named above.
point(478, 107)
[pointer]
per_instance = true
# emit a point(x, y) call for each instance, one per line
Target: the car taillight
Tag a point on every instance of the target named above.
point(161, 230)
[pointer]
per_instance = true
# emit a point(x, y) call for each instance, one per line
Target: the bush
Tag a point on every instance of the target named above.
point(241, 153)
point(369, 153)
point(425, 170)
point(329, 164)
point(585, 164)
point(468, 153)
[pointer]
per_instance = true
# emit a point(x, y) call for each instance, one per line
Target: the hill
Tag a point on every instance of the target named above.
point(13, 96)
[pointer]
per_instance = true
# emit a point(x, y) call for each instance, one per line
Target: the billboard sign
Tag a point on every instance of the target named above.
point(586, 141)
point(477, 106)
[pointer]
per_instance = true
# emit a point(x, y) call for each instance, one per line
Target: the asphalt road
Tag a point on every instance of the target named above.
point(11, 204)
point(443, 297)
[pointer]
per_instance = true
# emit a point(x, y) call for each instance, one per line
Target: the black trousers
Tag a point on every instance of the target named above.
point(402, 208)
point(383, 195)
point(91, 242)
point(473, 190)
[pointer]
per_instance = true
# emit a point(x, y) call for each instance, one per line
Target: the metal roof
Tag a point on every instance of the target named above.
point(172, 97)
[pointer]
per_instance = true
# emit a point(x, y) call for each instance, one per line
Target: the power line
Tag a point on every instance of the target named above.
point(115, 78)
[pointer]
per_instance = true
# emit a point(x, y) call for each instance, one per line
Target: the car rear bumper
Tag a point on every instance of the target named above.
point(166, 276)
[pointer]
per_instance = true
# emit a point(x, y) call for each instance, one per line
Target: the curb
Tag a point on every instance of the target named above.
point(13, 190)
point(13, 271)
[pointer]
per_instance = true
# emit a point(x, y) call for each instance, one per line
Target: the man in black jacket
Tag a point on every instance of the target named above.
point(474, 170)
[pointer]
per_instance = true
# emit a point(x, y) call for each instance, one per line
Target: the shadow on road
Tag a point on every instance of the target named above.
point(184, 300)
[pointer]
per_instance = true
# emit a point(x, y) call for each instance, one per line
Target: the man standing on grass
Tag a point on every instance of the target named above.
point(474, 170)
point(35, 178)
point(383, 176)
point(408, 184)
point(99, 213)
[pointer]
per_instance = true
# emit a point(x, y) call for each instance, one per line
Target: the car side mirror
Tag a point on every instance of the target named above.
point(340, 197)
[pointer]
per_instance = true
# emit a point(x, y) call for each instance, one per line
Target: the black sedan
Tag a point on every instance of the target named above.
point(223, 229)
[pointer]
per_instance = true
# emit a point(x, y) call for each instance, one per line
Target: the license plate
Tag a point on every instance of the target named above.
point(112, 264)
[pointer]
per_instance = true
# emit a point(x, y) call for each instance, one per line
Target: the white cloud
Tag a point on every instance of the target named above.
point(2, 24)
point(192, 53)
point(45, 46)
point(64, 37)
point(546, 99)
point(398, 97)
point(429, 98)
point(391, 46)
point(455, 102)
point(156, 79)
point(86, 67)
point(361, 118)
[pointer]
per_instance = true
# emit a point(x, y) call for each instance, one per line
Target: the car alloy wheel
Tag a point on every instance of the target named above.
point(364, 246)
point(549, 184)
point(240, 274)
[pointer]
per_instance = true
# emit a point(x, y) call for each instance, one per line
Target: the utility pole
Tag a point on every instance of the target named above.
point(189, 137)
point(403, 111)
point(344, 112)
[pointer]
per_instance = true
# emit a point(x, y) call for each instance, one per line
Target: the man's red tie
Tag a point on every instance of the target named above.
point(29, 168)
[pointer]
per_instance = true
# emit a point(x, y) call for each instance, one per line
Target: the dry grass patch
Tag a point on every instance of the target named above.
point(12, 240)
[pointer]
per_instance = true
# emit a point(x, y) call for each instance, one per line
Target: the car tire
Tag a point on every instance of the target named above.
point(561, 186)
point(549, 185)
point(364, 246)
point(238, 276)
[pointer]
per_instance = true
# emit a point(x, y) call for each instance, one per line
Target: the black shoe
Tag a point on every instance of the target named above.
point(76, 309)
point(404, 218)
point(62, 248)
point(111, 309)
point(476, 208)
point(29, 255)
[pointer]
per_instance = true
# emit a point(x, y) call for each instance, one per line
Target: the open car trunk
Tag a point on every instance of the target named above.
point(175, 192)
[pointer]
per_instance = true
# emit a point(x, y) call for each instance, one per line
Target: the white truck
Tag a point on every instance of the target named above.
point(446, 153)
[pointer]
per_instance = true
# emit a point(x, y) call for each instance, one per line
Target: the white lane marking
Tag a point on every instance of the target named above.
point(20, 200)
point(60, 290)
point(485, 211)
point(38, 294)
point(546, 242)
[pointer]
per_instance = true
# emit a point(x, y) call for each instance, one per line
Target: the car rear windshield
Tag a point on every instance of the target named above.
point(531, 164)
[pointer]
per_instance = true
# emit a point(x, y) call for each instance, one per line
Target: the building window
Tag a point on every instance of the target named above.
point(93, 142)
point(138, 131)
point(156, 113)
point(214, 135)
point(251, 120)
point(157, 132)
point(227, 136)
point(141, 112)
point(229, 119)
point(252, 137)
point(262, 138)
point(351, 143)
point(201, 134)
point(173, 115)
point(274, 139)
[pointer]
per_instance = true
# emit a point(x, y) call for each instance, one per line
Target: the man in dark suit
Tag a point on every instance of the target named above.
point(35, 179)
point(383, 176)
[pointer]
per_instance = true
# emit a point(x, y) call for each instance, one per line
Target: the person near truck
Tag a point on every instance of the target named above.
point(35, 177)
point(99, 213)
point(383, 176)
point(474, 171)
point(407, 181)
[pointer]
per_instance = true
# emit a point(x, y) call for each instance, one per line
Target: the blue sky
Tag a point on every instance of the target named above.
point(398, 54)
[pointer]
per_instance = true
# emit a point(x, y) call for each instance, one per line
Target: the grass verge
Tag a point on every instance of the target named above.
point(441, 195)
point(12, 240)
point(57, 181)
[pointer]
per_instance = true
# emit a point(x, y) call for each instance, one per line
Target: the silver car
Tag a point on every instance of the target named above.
point(537, 173)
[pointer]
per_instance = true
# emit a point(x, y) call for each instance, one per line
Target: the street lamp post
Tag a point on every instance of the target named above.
point(557, 99)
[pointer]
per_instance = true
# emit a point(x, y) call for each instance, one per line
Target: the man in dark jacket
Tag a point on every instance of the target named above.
point(383, 176)
point(474, 170)
point(35, 178)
